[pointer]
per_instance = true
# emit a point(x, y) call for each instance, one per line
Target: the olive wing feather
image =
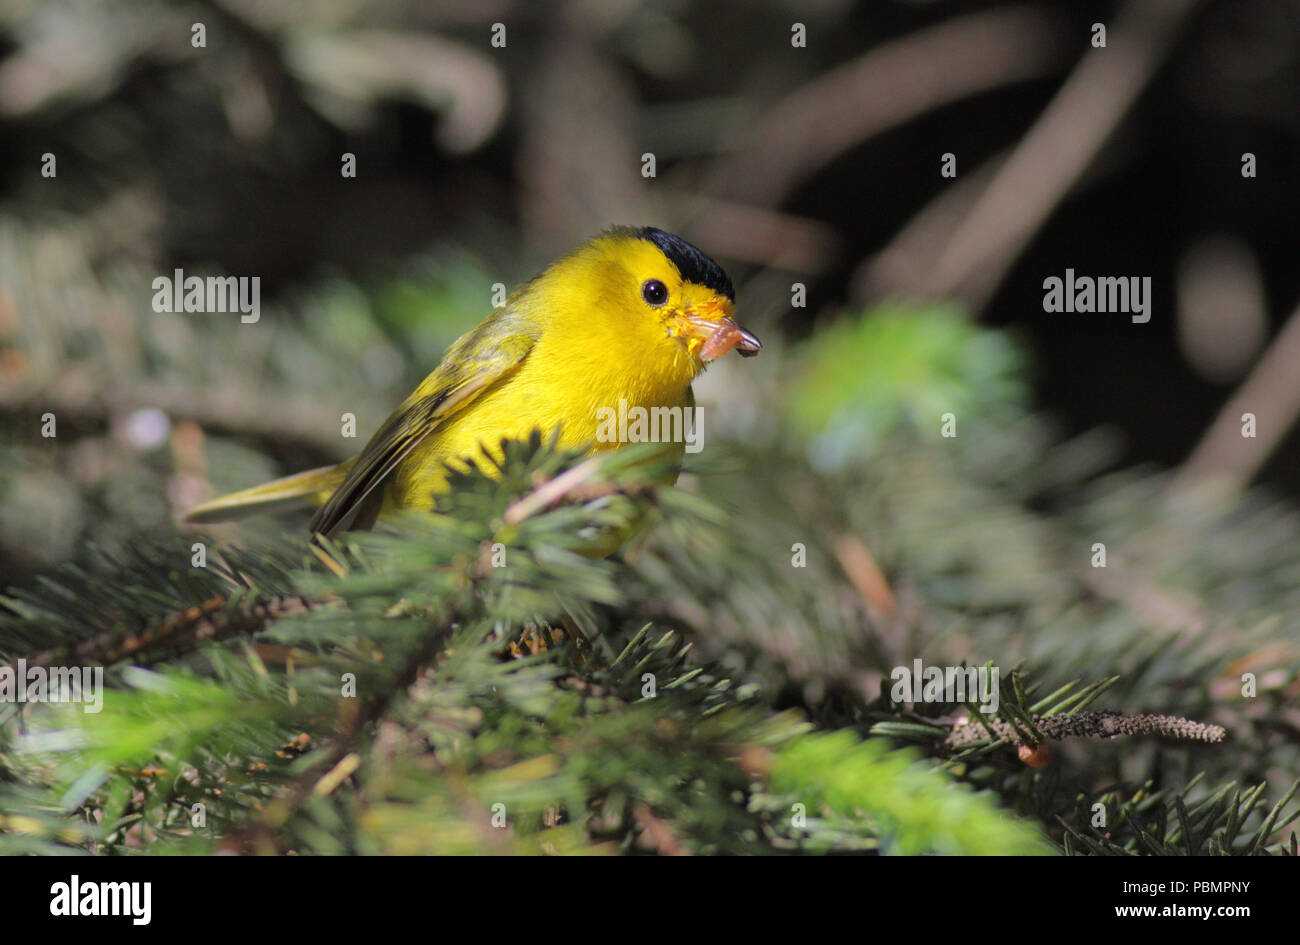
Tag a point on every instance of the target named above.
point(478, 360)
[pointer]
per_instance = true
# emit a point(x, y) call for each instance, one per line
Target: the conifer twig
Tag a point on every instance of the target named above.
point(1088, 725)
point(574, 483)
point(210, 621)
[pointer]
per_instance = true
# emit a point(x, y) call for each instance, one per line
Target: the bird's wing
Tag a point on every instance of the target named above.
point(479, 359)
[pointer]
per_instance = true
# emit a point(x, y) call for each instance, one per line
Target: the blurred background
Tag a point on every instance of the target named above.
point(812, 160)
point(796, 142)
point(802, 145)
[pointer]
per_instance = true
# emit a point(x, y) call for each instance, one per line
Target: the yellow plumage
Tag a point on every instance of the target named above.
point(588, 332)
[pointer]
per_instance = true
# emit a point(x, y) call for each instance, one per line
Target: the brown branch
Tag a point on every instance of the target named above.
point(1087, 725)
point(297, 421)
point(1224, 459)
point(552, 491)
point(888, 85)
point(755, 234)
point(904, 265)
point(210, 621)
point(1057, 150)
point(585, 482)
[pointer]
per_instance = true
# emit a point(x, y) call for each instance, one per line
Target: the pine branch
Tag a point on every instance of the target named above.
point(215, 620)
point(1085, 725)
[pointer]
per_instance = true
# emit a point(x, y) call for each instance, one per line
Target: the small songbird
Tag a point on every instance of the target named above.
point(632, 315)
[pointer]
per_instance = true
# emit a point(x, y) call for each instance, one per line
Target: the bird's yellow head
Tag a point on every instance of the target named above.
point(646, 296)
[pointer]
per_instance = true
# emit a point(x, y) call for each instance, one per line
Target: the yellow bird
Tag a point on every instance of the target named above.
point(633, 315)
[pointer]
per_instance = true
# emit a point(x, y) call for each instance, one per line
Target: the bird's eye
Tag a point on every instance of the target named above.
point(654, 292)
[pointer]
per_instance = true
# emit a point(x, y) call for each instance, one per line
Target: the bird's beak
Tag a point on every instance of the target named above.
point(711, 332)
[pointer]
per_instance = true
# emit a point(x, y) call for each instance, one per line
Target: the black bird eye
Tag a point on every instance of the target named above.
point(654, 292)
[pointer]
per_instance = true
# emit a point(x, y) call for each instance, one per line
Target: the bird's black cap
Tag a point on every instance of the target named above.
point(690, 262)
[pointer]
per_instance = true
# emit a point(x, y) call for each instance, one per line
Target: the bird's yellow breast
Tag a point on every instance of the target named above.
point(560, 386)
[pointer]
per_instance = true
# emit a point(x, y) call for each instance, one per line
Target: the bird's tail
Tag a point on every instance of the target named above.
point(313, 486)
